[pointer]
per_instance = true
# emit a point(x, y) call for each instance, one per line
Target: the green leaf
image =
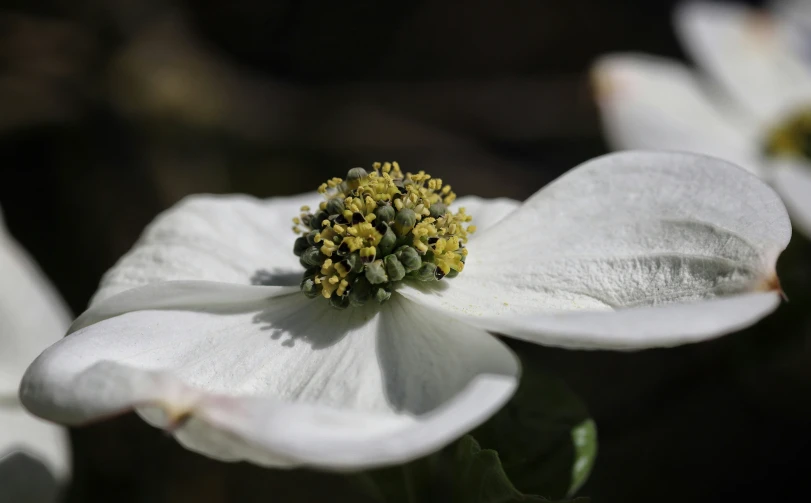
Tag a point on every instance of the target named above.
point(584, 437)
point(544, 436)
point(480, 478)
point(461, 473)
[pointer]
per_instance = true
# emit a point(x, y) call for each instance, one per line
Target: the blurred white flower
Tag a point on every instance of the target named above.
point(627, 251)
point(752, 104)
point(32, 317)
point(797, 12)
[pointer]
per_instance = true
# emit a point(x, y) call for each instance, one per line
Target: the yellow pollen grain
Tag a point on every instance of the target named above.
point(328, 248)
point(342, 270)
point(368, 252)
point(354, 243)
point(342, 286)
point(328, 289)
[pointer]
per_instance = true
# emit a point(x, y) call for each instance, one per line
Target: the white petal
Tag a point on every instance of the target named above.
point(792, 180)
point(32, 316)
point(178, 295)
point(234, 239)
point(655, 103)
point(640, 327)
point(486, 212)
point(284, 381)
point(632, 229)
point(751, 54)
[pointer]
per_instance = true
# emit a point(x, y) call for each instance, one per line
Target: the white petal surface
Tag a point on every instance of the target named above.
point(233, 238)
point(626, 230)
point(284, 381)
point(486, 212)
point(179, 295)
point(792, 180)
point(32, 316)
point(655, 103)
point(640, 327)
point(755, 57)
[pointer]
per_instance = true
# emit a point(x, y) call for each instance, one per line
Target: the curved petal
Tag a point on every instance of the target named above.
point(626, 230)
point(752, 55)
point(486, 212)
point(178, 295)
point(32, 316)
point(284, 381)
point(655, 103)
point(792, 180)
point(234, 238)
point(640, 327)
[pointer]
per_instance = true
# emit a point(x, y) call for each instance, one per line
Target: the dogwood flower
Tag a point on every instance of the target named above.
point(32, 316)
point(754, 109)
point(213, 329)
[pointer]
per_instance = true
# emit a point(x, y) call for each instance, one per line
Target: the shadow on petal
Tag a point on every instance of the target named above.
point(325, 325)
point(263, 277)
point(427, 358)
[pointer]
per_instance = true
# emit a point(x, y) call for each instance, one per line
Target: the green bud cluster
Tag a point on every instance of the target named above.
point(374, 230)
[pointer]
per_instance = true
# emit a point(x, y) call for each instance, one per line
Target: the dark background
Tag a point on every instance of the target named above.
point(111, 111)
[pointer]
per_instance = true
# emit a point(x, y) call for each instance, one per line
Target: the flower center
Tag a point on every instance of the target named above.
point(376, 229)
point(792, 137)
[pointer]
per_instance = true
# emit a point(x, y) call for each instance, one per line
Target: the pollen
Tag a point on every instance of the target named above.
point(792, 137)
point(377, 228)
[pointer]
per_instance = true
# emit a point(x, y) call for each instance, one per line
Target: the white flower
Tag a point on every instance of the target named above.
point(754, 110)
point(797, 12)
point(32, 317)
point(631, 250)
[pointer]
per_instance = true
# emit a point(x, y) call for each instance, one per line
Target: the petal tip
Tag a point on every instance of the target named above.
point(606, 78)
point(601, 86)
point(772, 284)
point(176, 419)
